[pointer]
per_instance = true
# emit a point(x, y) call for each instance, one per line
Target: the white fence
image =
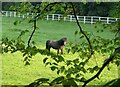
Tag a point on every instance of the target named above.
point(71, 18)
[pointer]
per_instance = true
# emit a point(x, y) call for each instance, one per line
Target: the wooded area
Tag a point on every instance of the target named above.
point(82, 9)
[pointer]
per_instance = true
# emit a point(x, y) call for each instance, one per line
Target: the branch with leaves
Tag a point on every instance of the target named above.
point(112, 56)
point(88, 40)
point(35, 19)
point(32, 32)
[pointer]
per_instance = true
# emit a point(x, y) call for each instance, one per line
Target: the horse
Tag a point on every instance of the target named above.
point(58, 45)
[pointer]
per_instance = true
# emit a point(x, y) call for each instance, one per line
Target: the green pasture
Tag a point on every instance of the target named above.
point(15, 73)
point(49, 30)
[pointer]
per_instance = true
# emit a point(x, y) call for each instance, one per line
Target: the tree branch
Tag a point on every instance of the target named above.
point(46, 8)
point(91, 49)
point(35, 18)
point(32, 32)
point(112, 56)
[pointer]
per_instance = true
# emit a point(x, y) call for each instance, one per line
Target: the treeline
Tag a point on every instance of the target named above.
point(96, 9)
point(83, 9)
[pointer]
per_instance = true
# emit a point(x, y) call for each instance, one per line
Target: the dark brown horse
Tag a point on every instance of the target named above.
point(58, 45)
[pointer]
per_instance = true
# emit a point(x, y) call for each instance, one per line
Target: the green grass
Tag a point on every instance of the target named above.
point(48, 30)
point(15, 73)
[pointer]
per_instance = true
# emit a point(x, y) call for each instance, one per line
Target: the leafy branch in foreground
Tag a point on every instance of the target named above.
point(32, 32)
point(90, 45)
point(71, 81)
point(112, 56)
point(34, 21)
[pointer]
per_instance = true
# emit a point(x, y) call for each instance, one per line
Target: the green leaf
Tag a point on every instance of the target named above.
point(26, 58)
point(62, 69)
point(58, 71)
point(6, 49)
point(72, 83)
point(81, 37)
point(58, 80)
point(113, 83)
point(68, 76)
point(55, 64)
point(82, 79)
point(117, 63)
point(69, 83)
point(20, 46)
point(83, 70)
point(17, 22)
point(68, 51)
point(68, 62)
point(76, 60)
point(45, 59)
point(43, 80)
point(76, 32)
point(47, 63)
point(30, 21)
point(77, 76)
point(91, 70)
point(82, 63)
point(60, 59)
point(96, 68)
point(24, 54)
point(12, 8)
point(27, 63)
point(53, 68)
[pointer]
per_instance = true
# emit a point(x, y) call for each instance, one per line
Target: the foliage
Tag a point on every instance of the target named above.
point(114, 82)
point(71, 71)
point(90, 8)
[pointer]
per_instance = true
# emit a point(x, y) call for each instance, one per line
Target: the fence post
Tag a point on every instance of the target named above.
point(84, 19)
point(14, 14)
point(52, 16)
point(10, 14)
point(99, 18)
point(6, 13)
point(70, 17)
point(107, 20)
point(91, 20)
point(27, 15)
point(64, 18)
point(116, 19)
point(78, 18)
point(58, 17)
point(19, 15)
point(23, 16)
point(47, 17)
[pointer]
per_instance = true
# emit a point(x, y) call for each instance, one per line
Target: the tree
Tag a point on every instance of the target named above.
point(6, 5)
point(72, 69)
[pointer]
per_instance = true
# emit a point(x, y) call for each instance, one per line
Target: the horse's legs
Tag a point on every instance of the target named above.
point(61, 51)
point(49, 49)
point(58, 51)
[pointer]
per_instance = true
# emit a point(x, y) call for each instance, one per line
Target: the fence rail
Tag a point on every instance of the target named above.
point(71, 18)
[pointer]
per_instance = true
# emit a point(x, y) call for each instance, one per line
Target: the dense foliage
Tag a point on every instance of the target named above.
point(71, 72)
point(84, 9)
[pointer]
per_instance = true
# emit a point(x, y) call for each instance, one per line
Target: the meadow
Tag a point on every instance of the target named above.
point(13, 70)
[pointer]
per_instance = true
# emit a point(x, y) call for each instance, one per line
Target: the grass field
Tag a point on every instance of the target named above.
point(13, 70)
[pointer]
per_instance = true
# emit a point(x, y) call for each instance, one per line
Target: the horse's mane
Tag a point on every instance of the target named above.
point(61, 41)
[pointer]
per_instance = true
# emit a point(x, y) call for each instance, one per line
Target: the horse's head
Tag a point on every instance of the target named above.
point(63, 41)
